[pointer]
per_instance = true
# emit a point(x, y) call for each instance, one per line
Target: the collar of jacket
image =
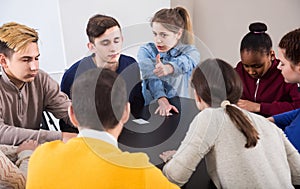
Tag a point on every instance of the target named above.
point(177, 50)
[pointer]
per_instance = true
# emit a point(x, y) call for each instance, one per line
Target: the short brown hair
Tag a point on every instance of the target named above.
point(98, 24)
point(99, 98)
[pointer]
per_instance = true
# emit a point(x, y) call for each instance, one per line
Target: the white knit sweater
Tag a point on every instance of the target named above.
point(272, 163)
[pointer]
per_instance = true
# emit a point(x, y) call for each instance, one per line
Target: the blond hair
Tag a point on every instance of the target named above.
point(17, 36)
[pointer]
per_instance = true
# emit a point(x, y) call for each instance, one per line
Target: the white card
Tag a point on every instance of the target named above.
point(140, 121)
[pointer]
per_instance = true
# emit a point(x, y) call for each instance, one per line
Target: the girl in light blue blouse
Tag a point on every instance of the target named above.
point(167, 64)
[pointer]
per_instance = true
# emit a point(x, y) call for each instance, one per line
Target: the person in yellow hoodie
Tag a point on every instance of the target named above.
point(93, 159)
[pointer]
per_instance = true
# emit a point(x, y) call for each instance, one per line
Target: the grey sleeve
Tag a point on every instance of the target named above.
point(12, 135)
point(197, 143)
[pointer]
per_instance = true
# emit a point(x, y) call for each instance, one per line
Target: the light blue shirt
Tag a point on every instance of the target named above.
point(100, 135)
point(184, 58)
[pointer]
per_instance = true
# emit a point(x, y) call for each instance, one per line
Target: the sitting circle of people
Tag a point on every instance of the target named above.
point(247, 127)
point(235, 142)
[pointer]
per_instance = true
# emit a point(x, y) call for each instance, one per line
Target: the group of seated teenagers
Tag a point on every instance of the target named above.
point(241, 102)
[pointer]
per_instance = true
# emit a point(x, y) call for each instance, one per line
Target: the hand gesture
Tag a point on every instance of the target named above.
point(271, 119)
point(248, 105)
point(164, 107)
point(167, 155)
point(27, 145)
point(162, 69)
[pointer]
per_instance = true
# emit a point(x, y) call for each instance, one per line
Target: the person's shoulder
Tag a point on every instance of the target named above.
point(135, 160)
point(276, 62)
point(274, 72)
point(211, 110)
point(239, 66)
point(70, 73)
point(253, 115)
point(127, 59)
point(142, 157)
point(148, 46)
point(146, 51)
point(41, 76)
point(47, 147)
point(42, 72)
point(273, 69)
point(185, 46)
point(73, 67)
point(52, 144)
point(259, 120)
point(209, 114)
point(185, 49)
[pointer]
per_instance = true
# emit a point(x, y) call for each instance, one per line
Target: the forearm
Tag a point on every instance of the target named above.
point(285, 119)
point(184, 162)
point(186, 62)
point(176, 173)
point(276, 108)
point(156, 88)
point(12, 135)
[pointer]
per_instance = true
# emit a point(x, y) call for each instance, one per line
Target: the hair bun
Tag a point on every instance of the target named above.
point(258, 27)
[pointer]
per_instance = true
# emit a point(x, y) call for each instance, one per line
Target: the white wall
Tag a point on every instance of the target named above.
point(222, 24)
point(133, 16)
point(61, 25)
point(45, 17)
point(219, 25)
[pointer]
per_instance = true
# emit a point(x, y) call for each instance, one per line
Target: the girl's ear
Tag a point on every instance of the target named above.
point(196, 96)
point(197, 100)
point(272, 53)
point(179, 34)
